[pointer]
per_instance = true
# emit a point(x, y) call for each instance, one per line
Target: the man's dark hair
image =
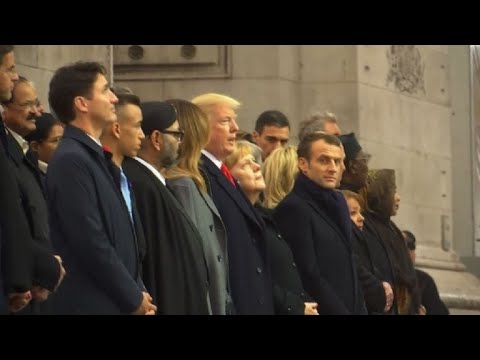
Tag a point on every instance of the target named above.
point(269, 118)
point(304, 149)
point(71, 81)
point(125, 99)
point(4, 50)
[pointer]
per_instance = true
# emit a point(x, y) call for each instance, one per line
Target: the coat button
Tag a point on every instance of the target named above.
point(211, 228)
point(259, 270)
point(302, 295)
point(261, 301)
point(279, 236)
point(289, 309)
point(219, 258)
point(294, 264)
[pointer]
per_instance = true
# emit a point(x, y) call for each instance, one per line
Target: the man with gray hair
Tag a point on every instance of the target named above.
point(326, 122)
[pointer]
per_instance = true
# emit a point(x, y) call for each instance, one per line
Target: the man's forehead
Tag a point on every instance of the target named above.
point(25, 89)
point(322, 147)
point(272, 130)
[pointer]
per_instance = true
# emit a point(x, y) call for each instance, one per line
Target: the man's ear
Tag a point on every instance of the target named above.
point(81, 103)
point(156, 140)
point(255, 135)
point(34, 145)
point(116, 129)
point(303, 165)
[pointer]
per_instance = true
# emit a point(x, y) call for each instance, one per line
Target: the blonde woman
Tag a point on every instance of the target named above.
point(289, 296)
point(279, 171)
point(189, 187)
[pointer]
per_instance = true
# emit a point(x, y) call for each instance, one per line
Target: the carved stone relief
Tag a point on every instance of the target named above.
point(406, 69)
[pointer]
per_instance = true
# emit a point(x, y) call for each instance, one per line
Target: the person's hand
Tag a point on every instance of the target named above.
point(388, 296)
point(17, 301)
point(62, 272)
point(311, 308)
point(39, 293)
point(422, 310)
point(146, 307)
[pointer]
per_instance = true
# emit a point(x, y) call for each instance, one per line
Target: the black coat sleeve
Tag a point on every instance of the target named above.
point(373, 291)
point(16, 254)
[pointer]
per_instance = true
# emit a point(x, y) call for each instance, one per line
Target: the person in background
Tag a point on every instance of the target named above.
point(326, 122)
point(279, 171)
point(43, 141)
point(272, 130)
point(378, 294)
point(428, 289)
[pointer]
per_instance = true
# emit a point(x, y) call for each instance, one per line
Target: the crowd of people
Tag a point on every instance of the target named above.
point(111, 205)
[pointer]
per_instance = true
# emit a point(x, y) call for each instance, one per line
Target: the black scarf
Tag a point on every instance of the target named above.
point(331, 201)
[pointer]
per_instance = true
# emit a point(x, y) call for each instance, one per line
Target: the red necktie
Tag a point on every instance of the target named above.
point(227, 173)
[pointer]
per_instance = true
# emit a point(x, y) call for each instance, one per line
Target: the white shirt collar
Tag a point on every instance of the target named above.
point(152, 169)
point(42, 166)
point(21, 141)
point(217, 162)
point(96, 140)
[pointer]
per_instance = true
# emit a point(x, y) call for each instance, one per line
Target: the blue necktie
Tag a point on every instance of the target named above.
point(125, 188)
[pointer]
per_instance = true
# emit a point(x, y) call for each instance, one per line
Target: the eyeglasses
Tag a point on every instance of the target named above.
point(28, 105)
point(176, 134)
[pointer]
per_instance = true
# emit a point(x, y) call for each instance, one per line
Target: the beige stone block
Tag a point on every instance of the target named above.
point(404, 121)
point(255, 61)
point(328, 63)
point(188, 89)
point(436, 76)
point(430, 131)
point(26, 55)
point(146, 90)
point(385, 116)
point(339, 98)
point(52, 57)
point(373, 65)
point(289, 62)
point(260, 95)
point(440, 48)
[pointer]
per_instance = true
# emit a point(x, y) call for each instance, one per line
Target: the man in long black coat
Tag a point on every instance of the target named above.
point(314, 220)
point(250, 278)
point(15, 240)
point(174, 268)
point(90, 226)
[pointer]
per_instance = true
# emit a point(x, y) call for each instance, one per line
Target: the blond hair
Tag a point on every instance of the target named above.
point(207, 102)
point(279, 171)
point(194, 122)
point(242, 149)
